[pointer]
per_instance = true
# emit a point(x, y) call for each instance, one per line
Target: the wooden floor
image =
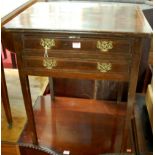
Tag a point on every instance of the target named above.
point(82, 126)
point(37, 85)
point(9, 148)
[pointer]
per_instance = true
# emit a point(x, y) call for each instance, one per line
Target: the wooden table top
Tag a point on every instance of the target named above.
point(81, 16)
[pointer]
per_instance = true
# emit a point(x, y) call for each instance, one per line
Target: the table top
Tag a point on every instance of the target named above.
point(81, 16)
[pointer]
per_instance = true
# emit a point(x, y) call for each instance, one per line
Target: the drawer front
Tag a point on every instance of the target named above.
point(73, 65)
point(104, 45)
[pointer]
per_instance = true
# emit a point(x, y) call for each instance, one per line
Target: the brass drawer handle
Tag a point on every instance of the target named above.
point(104, 46)
point(49, 63)
point(47, 43)
point(104, 67)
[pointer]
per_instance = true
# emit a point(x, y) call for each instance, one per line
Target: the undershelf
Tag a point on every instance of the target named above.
point(81, 126)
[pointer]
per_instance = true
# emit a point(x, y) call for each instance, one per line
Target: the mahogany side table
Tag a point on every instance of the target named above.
point(81, 40)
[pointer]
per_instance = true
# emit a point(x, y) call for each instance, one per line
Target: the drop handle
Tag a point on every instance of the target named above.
point(104, 67)
point(104, 46)
point(47, 44)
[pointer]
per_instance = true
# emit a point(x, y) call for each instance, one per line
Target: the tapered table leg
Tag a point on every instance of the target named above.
point(5, 98)
point(132, 93)
point(51, 88)
point(28, 106)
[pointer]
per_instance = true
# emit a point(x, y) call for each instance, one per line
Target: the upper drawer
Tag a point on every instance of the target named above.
point(70, 43)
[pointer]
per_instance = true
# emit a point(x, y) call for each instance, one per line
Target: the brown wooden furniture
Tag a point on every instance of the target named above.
point(8, 11)
point(149, 104)
point(5, 98)
point(149, 69)
point(82, 126)
point(11, 9)
point(79, 40)
point(75, 127)
point(27, 150)
point(7, 15)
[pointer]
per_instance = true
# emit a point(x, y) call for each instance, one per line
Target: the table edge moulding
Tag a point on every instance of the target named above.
point(93, 50)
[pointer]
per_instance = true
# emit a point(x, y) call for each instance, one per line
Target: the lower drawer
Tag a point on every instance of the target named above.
point(103, 67)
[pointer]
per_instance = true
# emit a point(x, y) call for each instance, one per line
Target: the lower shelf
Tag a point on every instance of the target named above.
point(80, 126)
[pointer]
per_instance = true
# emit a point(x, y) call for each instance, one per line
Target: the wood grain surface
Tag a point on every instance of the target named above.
point(78, 16)
point(124, 24)
point(9, 149)
point(81, 126)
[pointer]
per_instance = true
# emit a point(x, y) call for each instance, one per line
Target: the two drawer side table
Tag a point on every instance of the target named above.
point(80, 40)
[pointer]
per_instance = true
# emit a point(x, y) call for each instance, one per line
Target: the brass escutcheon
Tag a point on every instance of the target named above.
point(104, 67)
point(104, 46)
